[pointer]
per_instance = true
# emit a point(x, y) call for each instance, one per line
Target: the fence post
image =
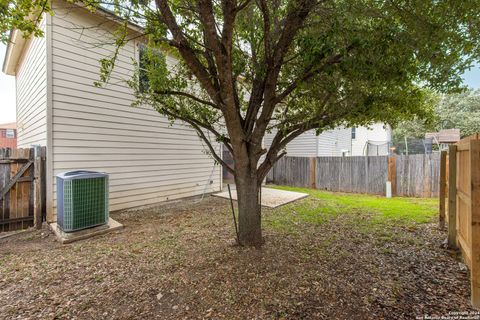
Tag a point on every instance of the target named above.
point(452, 196)
point(392, 173)
point(475, 218)
point(37, 208)
point(313, 173)
point(442, 188)
point(367, 182)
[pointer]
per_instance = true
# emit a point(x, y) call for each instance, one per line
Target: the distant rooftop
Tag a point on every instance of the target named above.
point(444, 136)
point(11, 125)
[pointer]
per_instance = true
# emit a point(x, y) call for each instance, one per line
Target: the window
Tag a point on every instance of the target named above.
point(142, 75)
point(150, 62)
point(354, 133)
point(10, 133)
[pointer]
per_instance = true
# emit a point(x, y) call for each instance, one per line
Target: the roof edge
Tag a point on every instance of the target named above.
point(14, 51)
point(9, 125)
point(8, 53)
point(16, 41)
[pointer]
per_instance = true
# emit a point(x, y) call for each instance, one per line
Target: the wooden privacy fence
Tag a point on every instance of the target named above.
point(413, 176)
point(22, 188)
point(293, 171)
point(352, 174)
point(462, 176)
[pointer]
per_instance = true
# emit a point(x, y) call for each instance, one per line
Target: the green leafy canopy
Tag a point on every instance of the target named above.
point(244, 68)
point(451, 111)
point(23, 15)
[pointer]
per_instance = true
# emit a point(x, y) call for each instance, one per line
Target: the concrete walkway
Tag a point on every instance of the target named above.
point(271, 198)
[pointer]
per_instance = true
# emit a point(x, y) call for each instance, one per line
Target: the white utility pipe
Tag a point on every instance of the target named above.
point(389, 189)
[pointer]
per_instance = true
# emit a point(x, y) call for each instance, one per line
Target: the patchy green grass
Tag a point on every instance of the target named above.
point(364, 211)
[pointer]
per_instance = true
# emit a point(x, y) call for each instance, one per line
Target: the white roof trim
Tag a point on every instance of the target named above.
point(15, 48)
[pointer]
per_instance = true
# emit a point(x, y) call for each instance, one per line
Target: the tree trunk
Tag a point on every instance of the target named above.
point(249, 214)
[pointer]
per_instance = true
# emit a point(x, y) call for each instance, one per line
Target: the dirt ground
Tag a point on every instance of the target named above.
point(177, 261)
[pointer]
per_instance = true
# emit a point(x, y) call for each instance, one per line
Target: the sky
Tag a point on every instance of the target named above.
point(7, 92)
point(472, 77)
point(7, 88)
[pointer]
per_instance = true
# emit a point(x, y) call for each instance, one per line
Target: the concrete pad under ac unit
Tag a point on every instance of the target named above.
point(69, 237)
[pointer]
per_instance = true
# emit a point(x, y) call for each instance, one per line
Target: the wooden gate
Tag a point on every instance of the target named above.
point(22, 185)
point(464, 206)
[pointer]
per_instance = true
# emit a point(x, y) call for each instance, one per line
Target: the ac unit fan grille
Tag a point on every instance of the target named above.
point(85, 203)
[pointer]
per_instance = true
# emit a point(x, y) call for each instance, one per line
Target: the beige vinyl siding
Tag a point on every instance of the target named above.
point(96, 128)
point(333, 142)
point(308, 144)
point(304, 145)
point(31, 90)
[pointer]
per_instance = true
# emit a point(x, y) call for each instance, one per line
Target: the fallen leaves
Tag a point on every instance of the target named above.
point(176, 261)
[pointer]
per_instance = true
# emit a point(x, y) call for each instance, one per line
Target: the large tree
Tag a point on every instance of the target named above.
point(247, 67)
point(460, 111)
point(449, 111)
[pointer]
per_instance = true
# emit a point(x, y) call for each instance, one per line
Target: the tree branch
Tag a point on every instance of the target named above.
point(283, 137)
point(188, 95)
point(201, 134)
point(226, 141)
point(205, 10)
point(310, 72)
point(296, 16)
point(187, 52)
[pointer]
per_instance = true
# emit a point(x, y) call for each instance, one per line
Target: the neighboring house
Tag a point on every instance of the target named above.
point(8, 135)
point(85, 127)
point(443, 138)
point(375, 139)
point(341, 141)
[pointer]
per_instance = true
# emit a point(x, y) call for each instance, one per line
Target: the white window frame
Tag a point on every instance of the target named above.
point(10, 134)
